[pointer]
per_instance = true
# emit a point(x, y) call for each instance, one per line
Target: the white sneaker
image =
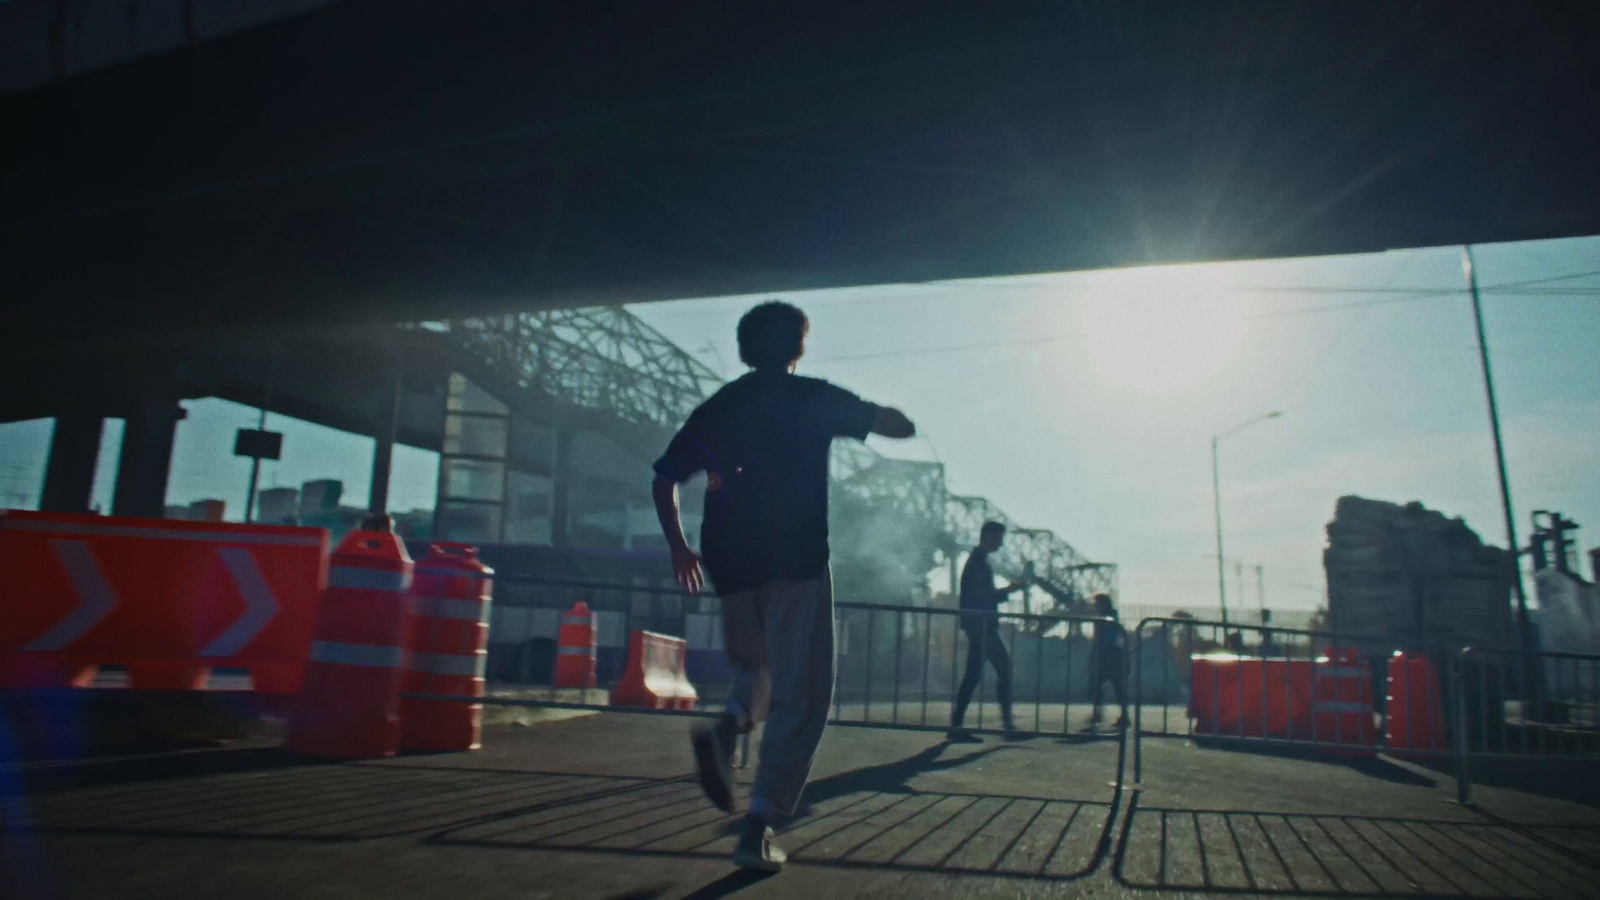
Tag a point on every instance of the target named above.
point(756, 849)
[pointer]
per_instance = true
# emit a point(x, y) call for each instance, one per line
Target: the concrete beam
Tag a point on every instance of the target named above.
point(146, 458)
point(74, 451)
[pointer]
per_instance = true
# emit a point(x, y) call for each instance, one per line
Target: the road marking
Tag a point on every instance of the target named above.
point(260, 605)
point(364, 579)
point(344, 654)
point(453, 608)
point(97, 600)
point(450, 663)
point(95, 594)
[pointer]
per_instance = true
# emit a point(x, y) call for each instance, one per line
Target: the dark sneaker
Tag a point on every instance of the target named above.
point(756, 848)
point(962, 736)
point(713, 757)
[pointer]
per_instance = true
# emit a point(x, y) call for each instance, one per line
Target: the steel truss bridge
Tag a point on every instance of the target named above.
point(607, 360)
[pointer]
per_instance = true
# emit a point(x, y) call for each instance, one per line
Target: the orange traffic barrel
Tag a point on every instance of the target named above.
point(349, 704)
point(449, 650)
point(1341, 705)
point(1415, 714)
point(576, 648)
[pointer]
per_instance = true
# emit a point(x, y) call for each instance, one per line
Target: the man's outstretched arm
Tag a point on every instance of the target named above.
point(892, 423)
point(685, 562)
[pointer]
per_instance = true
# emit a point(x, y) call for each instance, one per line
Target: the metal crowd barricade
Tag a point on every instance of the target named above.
point(900, 667)
point(1291, 707)
point(525, 624)
point(1524, 705)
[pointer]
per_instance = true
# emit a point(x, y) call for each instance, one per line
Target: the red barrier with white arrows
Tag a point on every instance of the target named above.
point(167, 599)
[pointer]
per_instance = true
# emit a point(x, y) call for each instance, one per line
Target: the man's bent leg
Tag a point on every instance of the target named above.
point(800, 658)
point(1002, 670)
point(1119, 682)
point(744, 635)
point(969, 680)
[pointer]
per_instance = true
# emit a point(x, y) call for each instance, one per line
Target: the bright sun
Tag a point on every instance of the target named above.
point(1160, 329)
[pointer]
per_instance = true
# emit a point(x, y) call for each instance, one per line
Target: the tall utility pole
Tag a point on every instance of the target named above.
point(1499, 454)
point(1216, 494)
point(1261, 589)
point(261, 426)
point(1216, 498)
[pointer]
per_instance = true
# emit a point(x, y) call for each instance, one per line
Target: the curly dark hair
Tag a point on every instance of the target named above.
point(772, 334)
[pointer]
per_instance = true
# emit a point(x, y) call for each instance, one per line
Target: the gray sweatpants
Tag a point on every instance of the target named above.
point(779, 638)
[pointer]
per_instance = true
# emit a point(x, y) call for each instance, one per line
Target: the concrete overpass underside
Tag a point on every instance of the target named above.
point(373, 160)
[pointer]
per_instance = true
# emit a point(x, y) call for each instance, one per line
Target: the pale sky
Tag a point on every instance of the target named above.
point(1091, 409)
point(1085, 403)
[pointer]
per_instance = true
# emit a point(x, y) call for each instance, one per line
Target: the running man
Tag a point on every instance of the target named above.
point(1110, 663)
point(763, 442)
point(982, 599)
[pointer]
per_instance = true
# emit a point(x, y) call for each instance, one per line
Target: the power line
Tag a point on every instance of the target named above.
point(950, 348)
point(1393, 295)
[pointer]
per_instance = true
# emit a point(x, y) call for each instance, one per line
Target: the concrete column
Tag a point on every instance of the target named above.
point(74, 451)
point(146, 458)
point(560, 489)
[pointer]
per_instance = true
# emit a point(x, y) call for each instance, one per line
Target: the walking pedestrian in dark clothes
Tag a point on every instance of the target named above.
point(763, 442)
point(980, 603)
point(1110, 663)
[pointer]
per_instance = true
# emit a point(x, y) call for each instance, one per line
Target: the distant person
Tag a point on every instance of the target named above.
point(1269, 646)
point(980, 600)
point(1110, 662)
point(763, 442)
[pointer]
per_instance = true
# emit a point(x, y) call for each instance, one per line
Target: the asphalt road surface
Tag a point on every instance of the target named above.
point(602, 806)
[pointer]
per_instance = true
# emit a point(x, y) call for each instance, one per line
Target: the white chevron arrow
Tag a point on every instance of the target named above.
point(96, 599)
point(260, 606)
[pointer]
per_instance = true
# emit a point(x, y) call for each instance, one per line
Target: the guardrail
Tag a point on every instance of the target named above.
point(902, 667)
point(898, 666)
point(1327, 691)
point(1554, 716)
point(1285, 687)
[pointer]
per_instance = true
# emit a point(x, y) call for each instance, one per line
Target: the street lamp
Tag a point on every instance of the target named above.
point(1216, 495)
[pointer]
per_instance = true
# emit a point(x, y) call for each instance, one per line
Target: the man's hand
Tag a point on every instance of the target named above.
point(892, 423)
point(1016, 586)
point(686, 566)
point(685, 562)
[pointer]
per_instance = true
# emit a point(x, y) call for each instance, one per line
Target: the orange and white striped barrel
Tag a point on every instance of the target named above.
point(576, 648)
point(449, 650)
point(349, 705)
point(1341, 706)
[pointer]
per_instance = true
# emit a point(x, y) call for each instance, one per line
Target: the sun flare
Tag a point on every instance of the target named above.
point(1161, 329)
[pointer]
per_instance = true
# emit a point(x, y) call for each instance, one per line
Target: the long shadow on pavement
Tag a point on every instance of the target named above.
point(1238, 851)
point(1370, 765)
point(320, 803)
point(868, 818)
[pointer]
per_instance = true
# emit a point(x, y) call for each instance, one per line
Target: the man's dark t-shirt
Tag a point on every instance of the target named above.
point(1109, 641)
point(763, 441)
point(977, 588)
